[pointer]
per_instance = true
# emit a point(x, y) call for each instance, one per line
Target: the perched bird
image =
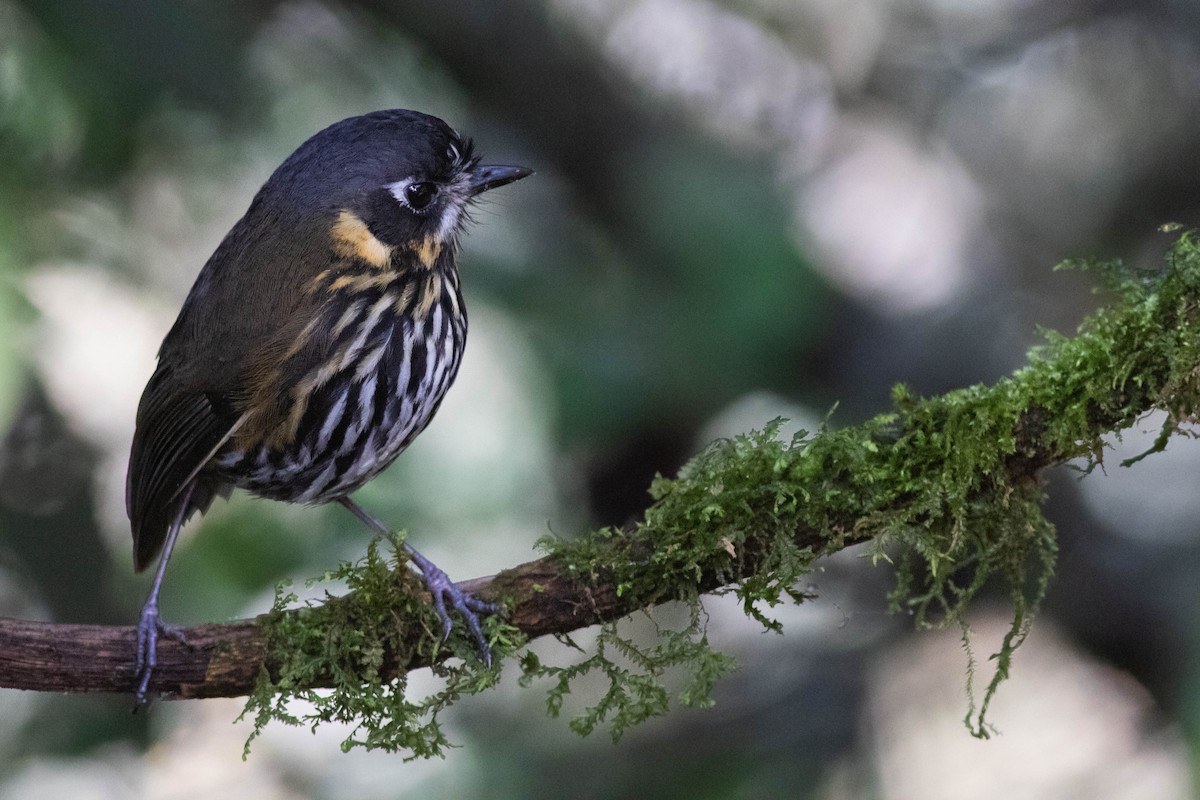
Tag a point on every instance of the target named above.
point(317, 342)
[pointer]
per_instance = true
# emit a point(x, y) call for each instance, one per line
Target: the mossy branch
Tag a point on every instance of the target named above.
point(946, 488)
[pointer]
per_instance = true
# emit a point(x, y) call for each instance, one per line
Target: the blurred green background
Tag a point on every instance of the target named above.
point(742, 210)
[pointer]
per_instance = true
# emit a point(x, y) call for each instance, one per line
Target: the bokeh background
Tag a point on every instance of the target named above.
point(742, 210)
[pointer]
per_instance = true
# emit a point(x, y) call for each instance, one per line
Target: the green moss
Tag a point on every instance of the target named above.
point(634, 676)
point(945, 489)
point(345, 645)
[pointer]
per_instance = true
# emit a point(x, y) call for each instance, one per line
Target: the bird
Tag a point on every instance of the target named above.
point(316, 343)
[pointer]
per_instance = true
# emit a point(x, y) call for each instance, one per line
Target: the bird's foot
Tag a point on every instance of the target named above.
point(149, 628)
point(446, 591)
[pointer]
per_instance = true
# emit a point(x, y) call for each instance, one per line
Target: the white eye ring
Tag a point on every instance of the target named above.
point(416, 195)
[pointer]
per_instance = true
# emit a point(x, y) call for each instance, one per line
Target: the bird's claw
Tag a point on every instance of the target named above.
point(149, 628)
point(442, 589)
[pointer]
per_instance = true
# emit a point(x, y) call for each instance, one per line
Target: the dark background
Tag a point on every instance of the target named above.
point(742, 210)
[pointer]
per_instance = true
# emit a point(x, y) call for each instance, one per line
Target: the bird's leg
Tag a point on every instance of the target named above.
point(468, 605)
point(439, 584)
point(149, 625)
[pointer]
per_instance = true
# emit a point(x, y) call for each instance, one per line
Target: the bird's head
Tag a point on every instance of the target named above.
point(384, 181)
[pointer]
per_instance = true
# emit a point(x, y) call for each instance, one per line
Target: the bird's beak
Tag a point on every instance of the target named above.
point(492, 176)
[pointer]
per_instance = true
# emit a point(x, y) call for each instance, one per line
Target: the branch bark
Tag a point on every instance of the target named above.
point(953, 479)
point(225, 659)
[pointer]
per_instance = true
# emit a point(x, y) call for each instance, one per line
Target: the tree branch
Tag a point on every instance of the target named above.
point(224, 660)
point(950, 481)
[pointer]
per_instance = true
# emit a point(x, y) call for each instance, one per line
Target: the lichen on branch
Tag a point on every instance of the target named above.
point(947, 489)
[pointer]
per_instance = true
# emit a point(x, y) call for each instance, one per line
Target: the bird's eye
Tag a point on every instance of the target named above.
point(420, 195)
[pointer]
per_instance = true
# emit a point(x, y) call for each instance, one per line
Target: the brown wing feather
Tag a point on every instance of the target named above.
point(188, 407)
point(243, 337)
point(177, 432)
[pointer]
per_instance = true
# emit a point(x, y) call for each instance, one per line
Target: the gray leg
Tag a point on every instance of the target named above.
point(439, 584)
point(150, 626)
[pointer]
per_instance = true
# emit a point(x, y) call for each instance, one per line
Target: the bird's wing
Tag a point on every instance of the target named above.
point(247, 309)
point(177, 433)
